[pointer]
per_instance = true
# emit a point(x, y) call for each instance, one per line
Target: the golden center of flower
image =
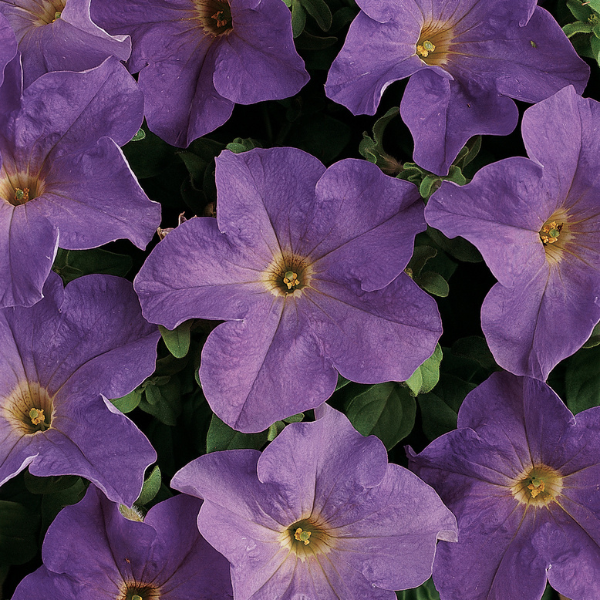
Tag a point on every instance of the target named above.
point(133, 590)
point(214, 16)
point(307, 537)
point(19, 188)
point(28, 408)
point(434, 44)
point(538, 486)
point(554, 235)
point(44, 12)
point(287, 274)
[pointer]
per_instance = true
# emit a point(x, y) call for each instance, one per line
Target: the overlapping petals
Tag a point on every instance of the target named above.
point(198, 57)
point(63, 179)
point(373, 526)
point(545, 304)
point(347, 233)
point(92, 550)
point(59, 35)
point(62, 357)
point(479, 56)
point(520, 474)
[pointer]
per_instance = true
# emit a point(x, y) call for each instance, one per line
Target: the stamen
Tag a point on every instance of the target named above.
point(302, 536)
point(550, 232)
point(425, 48)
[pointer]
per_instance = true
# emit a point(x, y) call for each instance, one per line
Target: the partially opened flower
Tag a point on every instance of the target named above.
point(58, 35)
point(197, 58)
point(63, 179)
point(56, 359)
point(465, 60)
point(305, 265)
point(92, 551)
point(537, 224)
point(320, 515)
point(521, 475)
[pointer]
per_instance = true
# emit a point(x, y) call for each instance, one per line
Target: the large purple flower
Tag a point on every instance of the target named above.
point(63, 178)
point(537, 224)
point(58, 35)
point(305, 265)
point(92, 551)
point(466, 59)
point(320, 515)
point(56, 359)
point(522, 476)
point(8, 45)
point(198, 57)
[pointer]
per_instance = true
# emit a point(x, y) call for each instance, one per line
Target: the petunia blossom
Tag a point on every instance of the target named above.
point(466, 59)
point(59, 35)
point(537, 224)
point(197, 58)
point(521, 475)
point(59, 360)
point(92, 551)
point(305, 265)
point(63, 178)
point(319, 515)
point(8, 45)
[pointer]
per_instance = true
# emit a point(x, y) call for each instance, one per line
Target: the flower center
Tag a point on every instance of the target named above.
point(132, 590)
point(286, 274)
point(19, 188)
point(42, 12)
point(554, 234)
point(307, 537)
point(28, 408)
point(214, 16)
point(539, 486)
point(435, 43)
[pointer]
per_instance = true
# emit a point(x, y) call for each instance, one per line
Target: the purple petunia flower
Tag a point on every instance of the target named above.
point(92, 551)
point(198, 57)
point(466, 60)
point(63, 178)
point(319, 515)
point(8, 45)
point(58, 35)
point(305, 265)
point(537, 224)
point(56, 359)
point(522, 476)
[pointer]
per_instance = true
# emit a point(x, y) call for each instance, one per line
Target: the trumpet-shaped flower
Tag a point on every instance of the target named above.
point(466, 59)
point(197, 58)
point(57, 361)
point(63, 178)
point(521, 475)
point(320, 515)
point(305, 265)
point(537, 224)
point(92, 551)
point(58, 35)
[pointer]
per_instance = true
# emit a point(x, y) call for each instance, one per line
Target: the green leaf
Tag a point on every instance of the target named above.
point(48, 485)
point(71, 264)
point(594, 5)
point(298, 18)
point(386, 410)
point(426, 591)
point(151, 487)
point(139, 136)
point(579, 10)
point(595, 46)
point(419, 258)
point(426, 377)
point(582, 380)
point(222, 437)
point(571, 29)
point(322, 136)
point(457, 247)
point(307, 41)
point(52, 504)
point(372, 148)
point(18, 529)
point(177, 341)
point(594, 338)
point(129, 402)
point(433, 283)
point(149, 156)
point(242, 145)
point(341, 382)
point(162, 401)
point(319, 11)
point(475, 348)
